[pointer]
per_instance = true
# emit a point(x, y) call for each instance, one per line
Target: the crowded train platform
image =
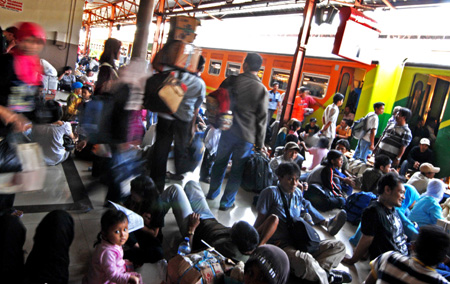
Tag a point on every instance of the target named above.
point(125, 162)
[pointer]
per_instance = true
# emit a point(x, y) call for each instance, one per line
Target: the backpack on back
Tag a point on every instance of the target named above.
point(219, 105)
point(257, 174)
point(359, 128)
point(356, 203)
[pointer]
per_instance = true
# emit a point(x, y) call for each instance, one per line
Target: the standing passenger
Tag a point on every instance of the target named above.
point(329, 118)
point(274, 101)
point(249, 103)
point(367, 143)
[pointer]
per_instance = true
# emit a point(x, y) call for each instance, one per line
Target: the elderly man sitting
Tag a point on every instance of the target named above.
point(420, 179)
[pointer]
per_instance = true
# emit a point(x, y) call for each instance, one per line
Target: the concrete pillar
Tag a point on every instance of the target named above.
point(143, 20)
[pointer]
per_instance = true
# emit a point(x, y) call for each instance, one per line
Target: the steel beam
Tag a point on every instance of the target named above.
point(297, 64)
point(159, 20)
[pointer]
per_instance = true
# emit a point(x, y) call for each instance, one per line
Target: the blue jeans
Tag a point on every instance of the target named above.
point(362, 150)
point(239, 150)
point(184, 203)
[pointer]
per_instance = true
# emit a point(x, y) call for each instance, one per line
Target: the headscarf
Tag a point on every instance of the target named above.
point(272, 262)
point(12, 239)
point(28, 67)
point(48, 261)
point(435, 189)
point(411, 195)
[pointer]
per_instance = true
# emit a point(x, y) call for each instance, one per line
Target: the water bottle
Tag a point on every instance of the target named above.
point(184, 248)
point(308, 218)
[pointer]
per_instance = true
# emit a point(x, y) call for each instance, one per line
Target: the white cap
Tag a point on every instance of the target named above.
point(425, 141)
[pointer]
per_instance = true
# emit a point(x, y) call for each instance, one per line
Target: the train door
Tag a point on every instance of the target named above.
point(436, 109)
point(418, 97)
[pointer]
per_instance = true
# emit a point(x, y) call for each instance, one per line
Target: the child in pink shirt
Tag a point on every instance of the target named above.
point(107, 265)
point(318, 152)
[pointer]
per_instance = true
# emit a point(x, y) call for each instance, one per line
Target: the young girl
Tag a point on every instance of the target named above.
point(107, 265)
point(318, 152)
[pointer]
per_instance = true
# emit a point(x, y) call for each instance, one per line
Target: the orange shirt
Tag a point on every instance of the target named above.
point(347, 132)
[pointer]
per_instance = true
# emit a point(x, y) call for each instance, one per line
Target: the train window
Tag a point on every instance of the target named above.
point(280, 76)
point(344, 84)
point(316, 83)
point(233, 69)
point(214, 67)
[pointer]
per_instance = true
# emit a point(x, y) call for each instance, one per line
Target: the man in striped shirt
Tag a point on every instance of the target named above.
point(430, 249)
point(396, 137)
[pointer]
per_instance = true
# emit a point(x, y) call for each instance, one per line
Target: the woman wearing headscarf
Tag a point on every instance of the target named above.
point(108, 70)
point(20, 78)
point(12, 239)
point(48, 261)
point(427, 210)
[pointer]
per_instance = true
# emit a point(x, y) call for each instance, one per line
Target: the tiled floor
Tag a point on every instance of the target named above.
point(57, 192)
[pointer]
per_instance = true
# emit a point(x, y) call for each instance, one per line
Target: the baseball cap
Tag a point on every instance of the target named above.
point(427, 168)
point(313, 119)
point(77, 85)
point(292, 146)
point(425, 141)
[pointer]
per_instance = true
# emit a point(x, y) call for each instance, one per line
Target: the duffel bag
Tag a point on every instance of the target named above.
point(257, 173)
point(355, 205)
point(322, 199)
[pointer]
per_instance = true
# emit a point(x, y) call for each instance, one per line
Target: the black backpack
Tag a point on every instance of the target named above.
point(257, 174)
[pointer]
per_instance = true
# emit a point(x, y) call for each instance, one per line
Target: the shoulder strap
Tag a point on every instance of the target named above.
point(110, 66)
point(286, 209)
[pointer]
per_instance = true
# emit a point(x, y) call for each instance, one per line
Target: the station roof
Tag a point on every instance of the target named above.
point(123, 12)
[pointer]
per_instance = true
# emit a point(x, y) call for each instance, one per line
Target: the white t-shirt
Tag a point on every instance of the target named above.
point(372, 122)
point(50, 137)
point(331, 113)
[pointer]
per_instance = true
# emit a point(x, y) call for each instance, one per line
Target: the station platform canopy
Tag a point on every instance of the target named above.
point(108, 13)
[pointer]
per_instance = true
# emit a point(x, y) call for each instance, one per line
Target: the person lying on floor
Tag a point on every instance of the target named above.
point(196, 221)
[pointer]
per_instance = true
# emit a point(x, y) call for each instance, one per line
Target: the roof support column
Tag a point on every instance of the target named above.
point(143, 20)
point(87, 40)
point(297, 65)
point(111, 21)
point(159, 20)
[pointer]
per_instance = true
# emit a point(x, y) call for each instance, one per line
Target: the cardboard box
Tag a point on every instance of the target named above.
point(183, 28)
point(178, 54)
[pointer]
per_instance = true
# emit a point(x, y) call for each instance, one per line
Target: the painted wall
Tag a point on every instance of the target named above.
point(61, 20)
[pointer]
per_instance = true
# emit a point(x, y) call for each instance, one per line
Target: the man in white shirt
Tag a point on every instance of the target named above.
point(367, 143)
point(329, 118)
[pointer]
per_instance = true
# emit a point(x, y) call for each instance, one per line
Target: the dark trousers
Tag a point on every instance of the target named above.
point(166, 132)
point(207, 163)
point(149, 250)
point(6, 203)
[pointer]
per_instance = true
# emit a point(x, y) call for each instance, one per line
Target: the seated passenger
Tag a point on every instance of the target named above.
point(88, 78)
point(417, 156)
point(50, 136)
point(427, 210)
point(331, 196)
point(319, 151)
point(86, 93)
point(420, 179)
point(317, 266)
point(12, 236)
point(371, 176)
point(73, 101)
point(291, 153)
point(347, 180)
point(343, 130)
point(430, 249)
point(146, 243)
point(283, 132)
point(267, 264)
point(307, 133)
point(66, 79)
point(48, 261)
point(381, 225)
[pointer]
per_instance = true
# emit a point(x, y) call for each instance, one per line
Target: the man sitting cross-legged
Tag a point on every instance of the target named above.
point(318, 265)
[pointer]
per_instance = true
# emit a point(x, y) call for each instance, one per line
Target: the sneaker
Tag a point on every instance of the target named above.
point(339, 276)
point(336, 223)
point(223, 208)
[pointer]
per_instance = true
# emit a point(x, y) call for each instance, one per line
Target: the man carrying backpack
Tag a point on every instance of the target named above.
point(367, 143)
point(249, 104)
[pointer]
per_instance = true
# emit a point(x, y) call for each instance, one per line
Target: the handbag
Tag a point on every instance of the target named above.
point(68, 143)
point(164, 92)
point(303, 235)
